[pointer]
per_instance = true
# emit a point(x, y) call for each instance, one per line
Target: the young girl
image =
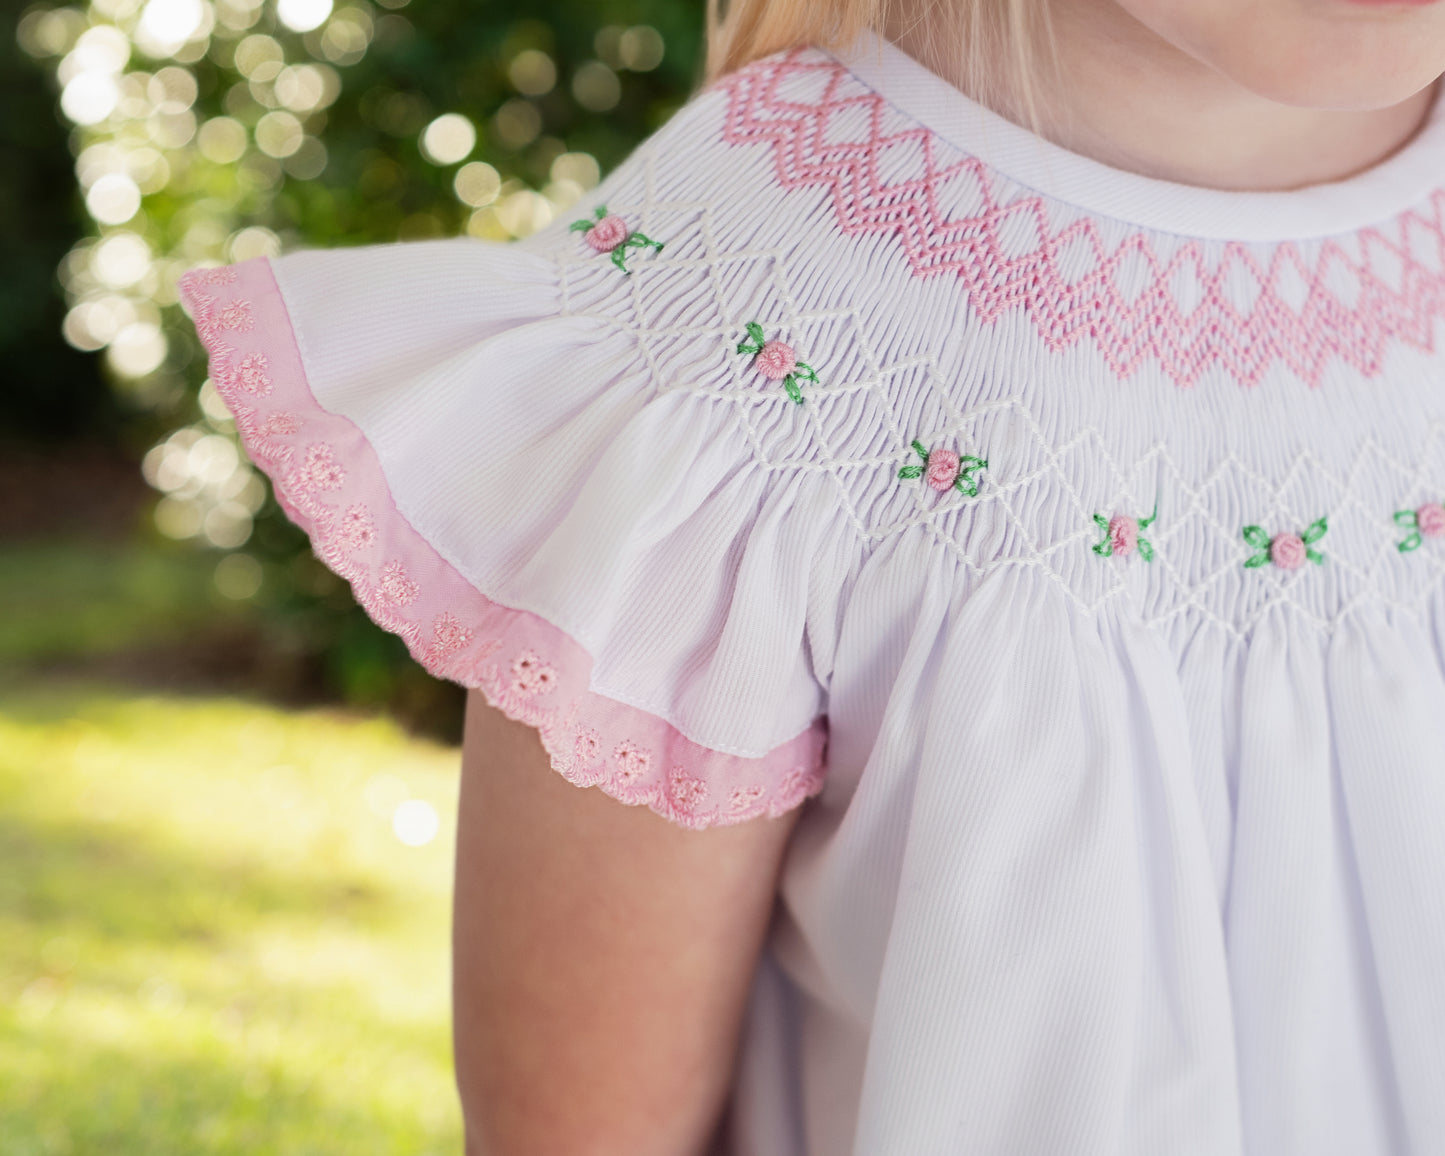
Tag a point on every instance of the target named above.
point(1055, 509)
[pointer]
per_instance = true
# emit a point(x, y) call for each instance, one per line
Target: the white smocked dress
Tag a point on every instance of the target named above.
point(1070, 540)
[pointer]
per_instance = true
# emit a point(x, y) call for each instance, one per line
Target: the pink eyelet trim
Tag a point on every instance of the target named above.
point(328, 479)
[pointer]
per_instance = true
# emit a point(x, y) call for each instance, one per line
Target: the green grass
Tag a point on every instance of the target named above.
point(211, 940)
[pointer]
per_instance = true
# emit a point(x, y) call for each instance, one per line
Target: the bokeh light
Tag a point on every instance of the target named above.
point(222, 140)
point(278, 134)
point(477, 184)
point(302, 15)
point(450, 138)
point(596, 87)
point(640, 48)
point(121, 259)
point(532, 72)
point(113, 199)
point(517, 124)
point(165, 25)
point(415, 822)
point(238, 577)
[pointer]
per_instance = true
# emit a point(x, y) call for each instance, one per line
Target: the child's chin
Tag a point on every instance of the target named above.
point(1362, 80)
point(1346, 55)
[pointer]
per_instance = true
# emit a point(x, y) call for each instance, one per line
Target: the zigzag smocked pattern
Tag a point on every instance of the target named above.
point(1308, 307)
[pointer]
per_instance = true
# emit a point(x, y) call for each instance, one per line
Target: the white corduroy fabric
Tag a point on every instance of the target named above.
point(1116, 856)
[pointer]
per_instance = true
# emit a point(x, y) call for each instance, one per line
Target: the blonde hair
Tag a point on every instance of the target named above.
point(1005, 42)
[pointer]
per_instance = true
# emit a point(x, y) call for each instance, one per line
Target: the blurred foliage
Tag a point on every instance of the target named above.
point(205, 131)
point(49, 391)
point(249, 960)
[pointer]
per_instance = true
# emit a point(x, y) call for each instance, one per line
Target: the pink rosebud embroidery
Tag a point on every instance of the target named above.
point(1287, 550)
point(941, 469)
point(945, 470)
point(1430, 518)
point(608, 233)
point(1122, 536)
point(1426, 522)
point(776, 361)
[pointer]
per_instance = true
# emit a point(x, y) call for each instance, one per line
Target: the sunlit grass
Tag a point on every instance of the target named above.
point(211, 939)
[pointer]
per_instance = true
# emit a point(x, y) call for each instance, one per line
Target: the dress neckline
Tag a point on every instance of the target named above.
point(1398, 183)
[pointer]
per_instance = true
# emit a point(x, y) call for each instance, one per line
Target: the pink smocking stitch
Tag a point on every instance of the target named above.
point(815, 144)
point(524, 666)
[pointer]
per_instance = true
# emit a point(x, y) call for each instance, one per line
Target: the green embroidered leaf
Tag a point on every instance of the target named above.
point(971, 489)
point(805, 372)
point(1410, 543)
point(1145, 523)
point(792, 387)
point(911, 472)
point(1101, 521)
point(1315, 531)
point(744, 347)
point(755, 331)
point(619, 257)
point(1315, 556)
point(918, 449)
point(601, 211)
point(1146, 551)
point(638, 240)
point(1407, 518)
point(1257, 538)
point(974, 463)
point(580, 226)
point(1258, 560)
point(1104, 549)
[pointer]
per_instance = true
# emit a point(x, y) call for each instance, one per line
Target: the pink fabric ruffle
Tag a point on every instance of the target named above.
point(327, 477)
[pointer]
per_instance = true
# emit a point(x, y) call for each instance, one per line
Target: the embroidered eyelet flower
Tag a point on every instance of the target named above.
point(530, 675)
point(608, 233)
point(777, 361)
point(687, 791)
point(632, 761)
point(1122, 536)
point(1288, 551)
point(1426, 522)
point(944, 470)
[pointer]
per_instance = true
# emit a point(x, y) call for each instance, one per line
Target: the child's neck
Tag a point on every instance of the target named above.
point(1134, 101)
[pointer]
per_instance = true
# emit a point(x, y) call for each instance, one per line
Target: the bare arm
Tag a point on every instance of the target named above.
point(601, 958)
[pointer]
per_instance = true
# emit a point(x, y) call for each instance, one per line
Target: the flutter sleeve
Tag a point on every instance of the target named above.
point(546, 506)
